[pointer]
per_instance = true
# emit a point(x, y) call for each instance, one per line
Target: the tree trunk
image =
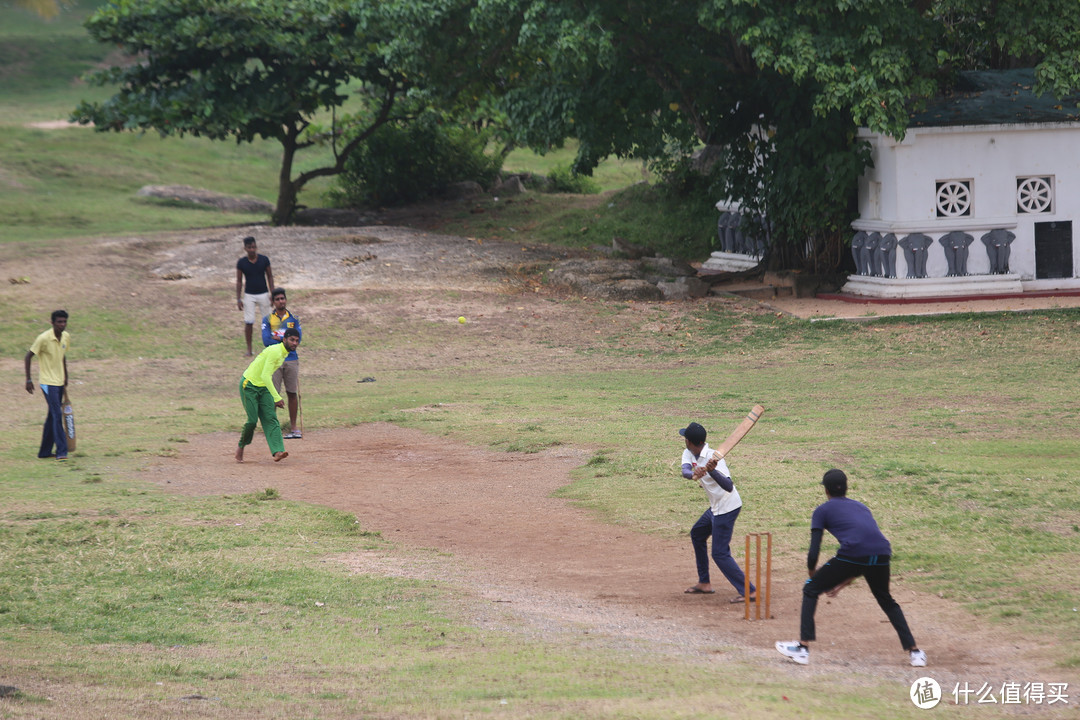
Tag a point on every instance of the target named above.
point(286, 199)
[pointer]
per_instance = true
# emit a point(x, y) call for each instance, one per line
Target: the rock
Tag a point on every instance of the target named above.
point(629, 250)
point(673, 290)
point(633, 289)
point(197, 196)
point(509, 187)
point(539, 183)
point(651, 278)
point(683, 288)
point(601, 278)
point(669, 268)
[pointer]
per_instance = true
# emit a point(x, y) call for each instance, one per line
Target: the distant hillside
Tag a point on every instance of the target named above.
point(40, 56)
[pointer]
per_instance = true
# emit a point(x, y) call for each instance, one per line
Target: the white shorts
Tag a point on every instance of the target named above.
point(256, 306)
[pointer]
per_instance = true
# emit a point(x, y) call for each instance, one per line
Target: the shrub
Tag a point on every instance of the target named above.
point(565, 180)
point(404, 163)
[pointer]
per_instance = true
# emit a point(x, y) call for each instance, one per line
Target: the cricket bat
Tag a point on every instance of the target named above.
point(738, 434)
point(69, 421)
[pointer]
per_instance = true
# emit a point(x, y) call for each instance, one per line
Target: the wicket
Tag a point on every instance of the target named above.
point(761, 589)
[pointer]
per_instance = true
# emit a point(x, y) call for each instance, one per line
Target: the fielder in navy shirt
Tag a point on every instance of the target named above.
point(864, 551)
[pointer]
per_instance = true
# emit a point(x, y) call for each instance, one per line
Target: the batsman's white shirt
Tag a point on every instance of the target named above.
point(720, 500)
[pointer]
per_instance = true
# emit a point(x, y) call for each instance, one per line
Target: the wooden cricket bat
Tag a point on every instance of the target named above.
point(69, 421)
point(739, 433)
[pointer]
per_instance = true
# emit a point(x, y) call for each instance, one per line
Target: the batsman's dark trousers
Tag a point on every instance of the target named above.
point(875, 568)
point(53, 431)
point(720, 528)
point(259, 406)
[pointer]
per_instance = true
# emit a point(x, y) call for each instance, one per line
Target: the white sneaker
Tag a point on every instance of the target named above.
point(795, 651)
point(918, 658)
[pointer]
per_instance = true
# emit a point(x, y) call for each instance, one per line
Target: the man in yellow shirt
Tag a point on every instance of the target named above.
point(51, 347)
point(260, 397)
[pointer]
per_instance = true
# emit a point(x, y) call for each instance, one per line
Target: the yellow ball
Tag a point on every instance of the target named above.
point(461, 319)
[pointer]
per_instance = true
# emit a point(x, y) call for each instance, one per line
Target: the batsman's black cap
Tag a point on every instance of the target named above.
point(694, 433)
point(835, 482)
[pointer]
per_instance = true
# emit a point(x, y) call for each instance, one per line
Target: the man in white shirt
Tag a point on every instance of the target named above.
point(718, 520)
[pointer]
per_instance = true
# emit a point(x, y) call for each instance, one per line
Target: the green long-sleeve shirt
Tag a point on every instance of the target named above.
point(261, 370)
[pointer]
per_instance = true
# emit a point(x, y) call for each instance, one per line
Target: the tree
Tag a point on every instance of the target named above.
point(781, 87)
point(244, 69)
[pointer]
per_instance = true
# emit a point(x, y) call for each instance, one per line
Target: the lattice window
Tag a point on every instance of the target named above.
point(1034, 195)
point(953, 198)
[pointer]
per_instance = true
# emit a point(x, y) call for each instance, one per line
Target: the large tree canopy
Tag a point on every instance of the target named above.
point(782, 86)
point(244, 69)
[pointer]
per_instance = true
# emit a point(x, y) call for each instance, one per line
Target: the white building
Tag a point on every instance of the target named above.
point(977, 199)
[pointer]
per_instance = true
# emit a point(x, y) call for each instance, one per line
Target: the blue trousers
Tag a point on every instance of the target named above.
point(720, 528)
point(53, 431)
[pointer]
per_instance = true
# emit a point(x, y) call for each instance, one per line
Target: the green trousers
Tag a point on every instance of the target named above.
point(259, 406)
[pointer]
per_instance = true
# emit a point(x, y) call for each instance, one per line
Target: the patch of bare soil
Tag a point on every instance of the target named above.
point(528, 562)
point(535, 564)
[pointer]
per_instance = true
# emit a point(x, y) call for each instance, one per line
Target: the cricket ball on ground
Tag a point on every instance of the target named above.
point(461, 319)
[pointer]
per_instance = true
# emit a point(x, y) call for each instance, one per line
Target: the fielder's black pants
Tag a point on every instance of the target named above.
point(875, 568)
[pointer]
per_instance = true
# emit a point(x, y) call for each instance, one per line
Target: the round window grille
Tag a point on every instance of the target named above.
point(1034, 195)
point(953, 199)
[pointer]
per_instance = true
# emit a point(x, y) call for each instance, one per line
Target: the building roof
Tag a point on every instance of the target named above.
point(996, 97)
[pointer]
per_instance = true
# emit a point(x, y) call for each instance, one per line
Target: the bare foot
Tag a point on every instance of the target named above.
point(279, 456)
point(240, 454)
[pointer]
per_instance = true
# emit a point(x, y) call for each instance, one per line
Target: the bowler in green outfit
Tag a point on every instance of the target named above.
point(260, 397)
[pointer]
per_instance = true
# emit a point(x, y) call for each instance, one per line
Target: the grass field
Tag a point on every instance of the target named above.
point(117, 599)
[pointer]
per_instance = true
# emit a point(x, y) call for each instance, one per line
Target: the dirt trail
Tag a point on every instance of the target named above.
point(486, 523)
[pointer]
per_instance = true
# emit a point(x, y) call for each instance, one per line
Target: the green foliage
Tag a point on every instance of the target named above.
point(241, 70)
point(803, 177)
point(565, 180)
point(611, 174)
point(781, 87)
point(1040, 34)
point(402, 163)
point(674, 224)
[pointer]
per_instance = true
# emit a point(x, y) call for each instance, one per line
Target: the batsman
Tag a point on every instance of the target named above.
point(699, 462)
point(260, 397)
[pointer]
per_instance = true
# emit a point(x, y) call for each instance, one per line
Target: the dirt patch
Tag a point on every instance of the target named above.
point(532, 563)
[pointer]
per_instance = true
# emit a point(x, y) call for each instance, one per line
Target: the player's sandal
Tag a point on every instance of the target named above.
point(279, 456)
point(742, 599)
point(695, 590)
